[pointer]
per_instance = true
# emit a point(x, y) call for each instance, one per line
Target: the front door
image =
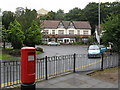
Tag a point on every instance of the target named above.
point(66, 40)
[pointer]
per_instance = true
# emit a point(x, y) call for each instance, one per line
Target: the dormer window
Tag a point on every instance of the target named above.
point(61, 25)
point(71, 25)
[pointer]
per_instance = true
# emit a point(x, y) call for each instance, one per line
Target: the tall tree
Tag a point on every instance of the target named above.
point(111, 33)
point(50, 16)
point(0, 15)
point(19, 11)
point(108, 8)
point(15, 34)
point(4, 35)
point(60, 15)
point(26, 18)
point(7, 17)
point(75, 14)
point(91, 13)
point(33, 35)
point(0, 31)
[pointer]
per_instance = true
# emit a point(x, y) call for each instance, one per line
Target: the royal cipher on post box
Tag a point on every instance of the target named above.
point(28, 60)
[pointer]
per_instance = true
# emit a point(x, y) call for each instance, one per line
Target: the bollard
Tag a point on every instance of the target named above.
point(28, 65)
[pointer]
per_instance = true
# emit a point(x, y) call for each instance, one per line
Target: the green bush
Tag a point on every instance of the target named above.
point(39, 49)
point(15, 52)
point(78, 43)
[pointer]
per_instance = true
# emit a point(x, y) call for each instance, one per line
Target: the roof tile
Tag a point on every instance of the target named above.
point(54, 24)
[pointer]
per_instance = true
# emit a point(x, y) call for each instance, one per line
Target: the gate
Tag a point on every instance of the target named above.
point(50, 67)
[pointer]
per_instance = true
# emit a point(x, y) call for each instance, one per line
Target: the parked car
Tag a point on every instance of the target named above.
point(53, 43)
point(102, 48)
point(94, 51)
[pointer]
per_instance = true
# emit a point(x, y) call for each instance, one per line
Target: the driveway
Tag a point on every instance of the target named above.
point(62, 50)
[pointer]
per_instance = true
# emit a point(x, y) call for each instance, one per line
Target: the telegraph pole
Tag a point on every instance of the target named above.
point(99, 19)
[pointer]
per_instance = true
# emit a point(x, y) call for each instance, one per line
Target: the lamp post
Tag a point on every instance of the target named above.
point(99, 20)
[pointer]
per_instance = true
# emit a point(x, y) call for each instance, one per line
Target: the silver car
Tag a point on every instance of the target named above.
point(53, 43)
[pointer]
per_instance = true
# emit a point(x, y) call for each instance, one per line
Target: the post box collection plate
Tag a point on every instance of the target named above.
point(31, 58)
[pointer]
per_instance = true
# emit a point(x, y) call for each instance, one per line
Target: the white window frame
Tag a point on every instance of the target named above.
point(53, 32)
point(59, 32)
point(85, 32)
point(72, 32)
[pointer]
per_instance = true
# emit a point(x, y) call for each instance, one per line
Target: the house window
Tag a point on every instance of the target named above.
point(78, 32)
point(45, 31)
point(85, 32)
point(60, 31)
point(53, 31)
point(71, 32)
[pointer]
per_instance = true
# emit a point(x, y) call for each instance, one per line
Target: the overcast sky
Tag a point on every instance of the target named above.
point(54, 5)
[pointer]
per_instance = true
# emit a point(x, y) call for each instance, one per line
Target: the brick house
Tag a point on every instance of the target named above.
point(65, 31)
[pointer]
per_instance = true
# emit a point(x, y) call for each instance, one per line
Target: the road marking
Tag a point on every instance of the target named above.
point(15, 82)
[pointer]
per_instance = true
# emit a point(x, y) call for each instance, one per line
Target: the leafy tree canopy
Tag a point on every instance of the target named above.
point(75, 14)
point(33, 35)
point(7, 17)
point(26, 18)
point(15, 34)
point(111, 33)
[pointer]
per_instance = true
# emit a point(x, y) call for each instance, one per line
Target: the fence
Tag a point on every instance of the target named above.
point(49, 67)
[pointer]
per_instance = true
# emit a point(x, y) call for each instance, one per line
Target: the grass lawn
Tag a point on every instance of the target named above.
point(6, 56)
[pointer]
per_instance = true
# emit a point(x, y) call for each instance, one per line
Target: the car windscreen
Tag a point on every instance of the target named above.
point(93, 48)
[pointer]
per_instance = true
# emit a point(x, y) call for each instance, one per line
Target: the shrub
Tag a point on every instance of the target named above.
point(39, 49)
point(15, 52)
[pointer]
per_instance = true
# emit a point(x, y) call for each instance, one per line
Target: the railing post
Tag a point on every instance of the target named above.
point(46, 68)
point(102, 62)
point(118, 58)
point(74, 56)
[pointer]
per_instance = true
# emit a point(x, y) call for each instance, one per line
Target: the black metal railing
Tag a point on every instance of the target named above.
point(49, 67)
point(10, 73)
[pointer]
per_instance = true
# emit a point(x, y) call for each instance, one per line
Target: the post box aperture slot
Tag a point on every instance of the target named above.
point(31, 56)
point(31, 53)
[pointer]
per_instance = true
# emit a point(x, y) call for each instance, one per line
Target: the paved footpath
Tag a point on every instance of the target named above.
point(75, 80)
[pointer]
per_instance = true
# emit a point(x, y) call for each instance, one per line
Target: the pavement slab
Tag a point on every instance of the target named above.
point(75, 81)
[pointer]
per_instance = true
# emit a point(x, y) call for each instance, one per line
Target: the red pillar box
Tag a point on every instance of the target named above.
point(28, 61)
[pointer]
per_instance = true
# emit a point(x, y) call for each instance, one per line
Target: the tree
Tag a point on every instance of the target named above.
point(26, 18)
point(19, 11)
point(7, 17)
point(108, 8)
point(4, 35)
point(91, 13)
point(60, 15)
point(49, 16)
point(0, 32)
point(111, 33)
point(33, 35)
point(15, 34)
point(75, 14)
point(0, 26)
point(0, 15)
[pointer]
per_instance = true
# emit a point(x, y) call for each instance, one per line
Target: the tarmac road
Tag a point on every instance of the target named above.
point(62, 50)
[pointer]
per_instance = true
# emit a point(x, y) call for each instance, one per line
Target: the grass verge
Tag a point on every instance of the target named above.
point(6, 56)
point(108, 75)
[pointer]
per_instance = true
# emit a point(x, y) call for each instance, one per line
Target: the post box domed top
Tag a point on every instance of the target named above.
point(28, 48)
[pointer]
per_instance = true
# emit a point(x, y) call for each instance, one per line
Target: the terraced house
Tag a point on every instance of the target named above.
point(65, 31)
